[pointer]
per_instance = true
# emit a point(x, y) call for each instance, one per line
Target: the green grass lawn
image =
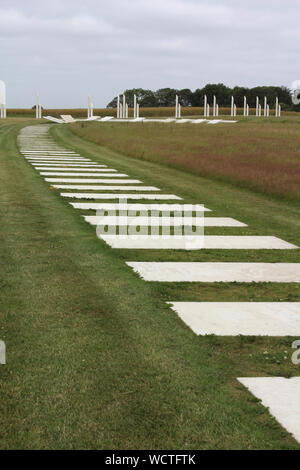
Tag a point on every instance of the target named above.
point(95, 357)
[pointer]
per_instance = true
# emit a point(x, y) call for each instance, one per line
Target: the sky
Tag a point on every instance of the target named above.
point(65, 49)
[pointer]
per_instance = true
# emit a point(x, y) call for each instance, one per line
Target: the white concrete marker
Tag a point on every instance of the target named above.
point(240, 318)
point(217, 272)
point(95, 170)
point(194, 242)
point(49, 151)
point(75, 159)
point(163, 221)
point(281, 396)
point(120, 196)
point(83, 180)
point(104, 175)
point(51, 162)
point(138, 207)
point(105, 188)
point(67, 165)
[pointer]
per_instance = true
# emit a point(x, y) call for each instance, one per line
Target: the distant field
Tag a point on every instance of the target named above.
point(262, 155)
point(145, 112)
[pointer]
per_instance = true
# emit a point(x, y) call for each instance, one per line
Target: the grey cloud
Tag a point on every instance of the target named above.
point(67, 48)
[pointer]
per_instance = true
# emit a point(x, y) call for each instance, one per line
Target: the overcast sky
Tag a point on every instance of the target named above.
point(66, 49)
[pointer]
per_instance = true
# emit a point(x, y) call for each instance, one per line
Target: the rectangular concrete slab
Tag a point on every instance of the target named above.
point(49, 152)
point(120, 196)
point(217, 272)
point(58, 162)
point(53, 170)
point(194, 242)
point(103, 175)
point(69, 166)
point(91, 180)
point(240, 318)
point(105, 188)
point(281, 396)
point(50, 158)
point(139, 207)
point(162, 221)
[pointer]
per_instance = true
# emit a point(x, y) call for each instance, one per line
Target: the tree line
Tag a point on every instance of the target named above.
point(166, 96)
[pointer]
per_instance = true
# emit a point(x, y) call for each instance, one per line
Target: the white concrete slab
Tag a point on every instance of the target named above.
point(57, 161)
point(91, 180)
point(196, 242)
point(143, 221)
point(217, 272)
point(281, 396)
point(103, 175)
point(74, 159)
point(240, 318)
point(105, 188)
point(162, 221)
point(75, 170)
point(120, 196)
point(139, 207)
point(44, 151)
point(50, 154)
point(69, 166)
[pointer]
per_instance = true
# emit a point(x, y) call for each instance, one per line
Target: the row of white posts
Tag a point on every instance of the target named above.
point(215, 107)
point(38, 108)
point(258, 111)
point(122, 108)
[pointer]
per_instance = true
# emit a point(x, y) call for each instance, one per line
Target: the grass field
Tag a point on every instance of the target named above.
point(263, 155)
point(96, 359)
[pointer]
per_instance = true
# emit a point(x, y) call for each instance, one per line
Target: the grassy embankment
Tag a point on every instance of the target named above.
point(95, 358)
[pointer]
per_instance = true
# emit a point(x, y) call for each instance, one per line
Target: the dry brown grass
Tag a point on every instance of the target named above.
point(257, 154)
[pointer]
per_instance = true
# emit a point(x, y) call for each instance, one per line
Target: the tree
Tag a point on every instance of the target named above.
point(185, 97)
point(166, 96)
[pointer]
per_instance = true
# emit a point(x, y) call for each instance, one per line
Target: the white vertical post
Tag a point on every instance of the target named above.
point(217, 110)
point(276, 106)
point(232, 106)
point(89, 107)
point(214, 106)
point(205, 106)
point(176, 107)
point(124, 107)
point(265, 106)
point(179, 110)
point(234, 109)
point(259, 110)
point(279, 110)
point(118, 107)
point(257, 106)
point(2, 100)
point(247, 110)
point(268, 110)
point(134, 107)
point(127, 111)
point(37, 106)
point(245, 106)
point(137, 110)
point(207, 110)
point(121, 110)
